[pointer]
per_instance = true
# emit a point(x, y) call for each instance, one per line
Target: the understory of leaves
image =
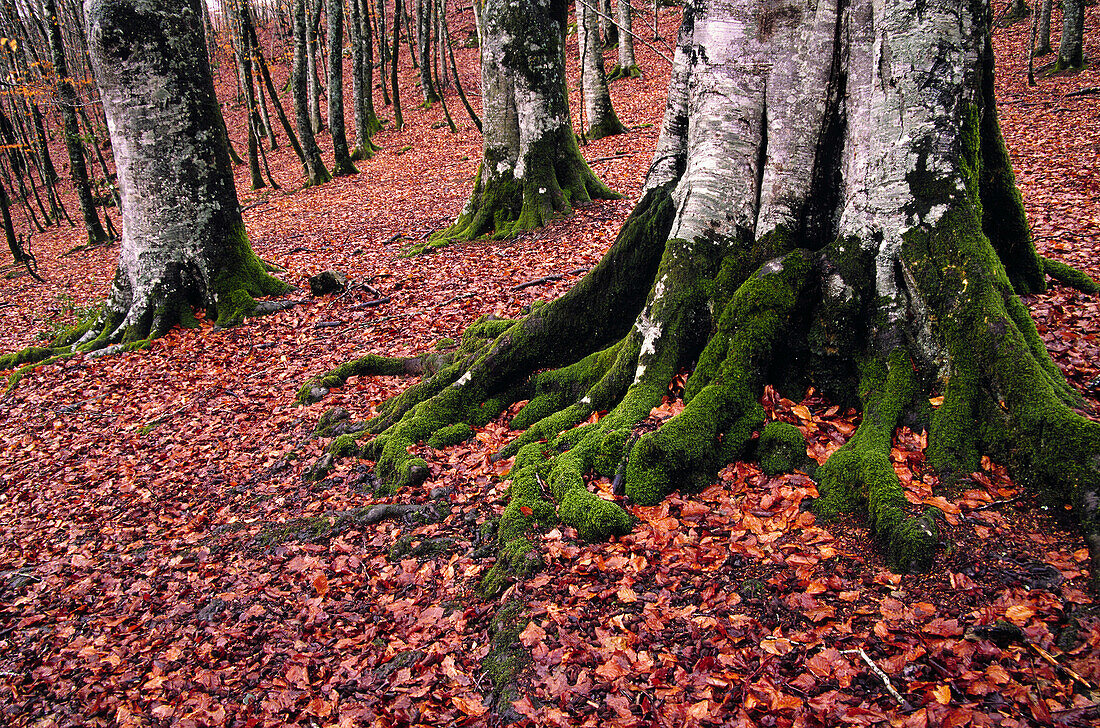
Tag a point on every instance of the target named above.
point(164, 563)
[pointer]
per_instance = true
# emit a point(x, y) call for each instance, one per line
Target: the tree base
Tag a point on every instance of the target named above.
point(618, 72)
point(595, 349)
point(504, 207)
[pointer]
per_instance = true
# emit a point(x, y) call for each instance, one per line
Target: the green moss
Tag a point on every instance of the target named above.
point(1070, 276)
point(506, 658)
point(594, 518)
point(618, 72)
point(30, 355)
point(240, 277)
point(234, 306)
point(859, 477)
point(782, 448)
point(413, 546)
point(450, 435)
point(718, 422)
point(344, 446)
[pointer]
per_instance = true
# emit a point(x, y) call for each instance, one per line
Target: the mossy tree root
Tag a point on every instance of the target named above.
point(618, 72)
point(130, 320)
point(1069, 276)
point(503, 207)
point(860, 476)
point(769, 312)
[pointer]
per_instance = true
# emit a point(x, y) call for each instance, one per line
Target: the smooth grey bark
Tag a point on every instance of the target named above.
point(628, 65)
point(1042, 46)
point(334, 14)
point(248, 89)
point(383, 50)
point(1071, 49)
point(602, 121)
point(67, 103)
point(312, 21)
point(395, 55)
point(531, 167)
point(315, 167)
point(184, 245)
point(362, 79)
point(608, 31)
point(831, 203)
point(424, 11)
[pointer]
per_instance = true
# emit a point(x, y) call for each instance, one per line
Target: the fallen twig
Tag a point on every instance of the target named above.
point(370, 304)
point(613, 156)
point(881, 676)
point(1090, 91)
point(1053, 661)
point(549, 279)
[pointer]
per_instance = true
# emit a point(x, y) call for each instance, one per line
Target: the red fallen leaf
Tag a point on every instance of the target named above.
point(620, 705)
point(524, 707)
point(320, 584)
point(470, 705)
point(531, 635)
point(526, 510)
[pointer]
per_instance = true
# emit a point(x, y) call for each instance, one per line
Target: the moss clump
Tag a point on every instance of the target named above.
point(859, 477)
point(594, 518)
point(344, 446)
point(782, 448)
point(1070, 276)
point(417, 547)
point(516, 560)
point(30, 355)
point(618, 72)
point(330, 419)
point(450, 435)
point(506, 658)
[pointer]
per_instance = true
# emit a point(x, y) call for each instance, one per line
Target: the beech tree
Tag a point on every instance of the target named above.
point(1071, 48)
point(831, 203)
point(602, 120)
point(627, 67)
point(531, 167)
point(184, 244)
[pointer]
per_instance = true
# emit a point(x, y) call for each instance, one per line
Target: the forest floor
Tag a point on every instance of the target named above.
point(163, 561)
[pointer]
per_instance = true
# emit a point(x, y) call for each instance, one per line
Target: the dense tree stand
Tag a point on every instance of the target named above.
point(831, 203)
point(184, 245)
point(531, 168)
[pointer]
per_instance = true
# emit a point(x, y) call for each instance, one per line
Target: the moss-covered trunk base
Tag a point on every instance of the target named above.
point(555, 179)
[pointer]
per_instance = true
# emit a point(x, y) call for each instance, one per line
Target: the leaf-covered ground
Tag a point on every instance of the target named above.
point(163, 562)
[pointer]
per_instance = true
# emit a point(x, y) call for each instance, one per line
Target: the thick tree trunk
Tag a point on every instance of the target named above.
point(1071, 49)
point(531, 167)
point(184, 244)
point(424, 50)
point(67, 102)
point(831, 203)
point(398, 120)
point(362, 79)
point(334, 14)
point(313, 19)
point(627, 67)
point(1042, 46)
point(315, 168)
point(602, 121)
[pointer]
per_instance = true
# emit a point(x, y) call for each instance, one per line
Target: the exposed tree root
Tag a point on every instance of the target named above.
point(501, 208)
point(877, 255)
point(1015, 406)
point(1070, 276)
point(618, 72)
point(128, 322)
